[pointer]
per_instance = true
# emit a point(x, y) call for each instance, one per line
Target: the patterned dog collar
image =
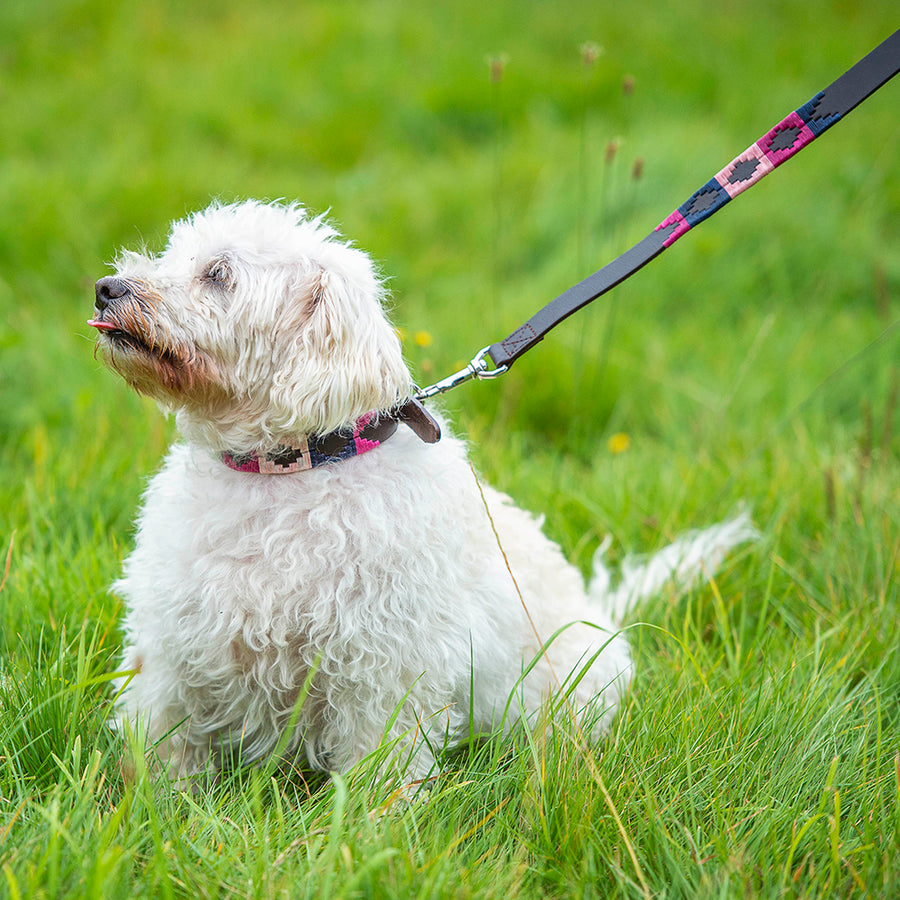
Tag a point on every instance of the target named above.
point(308, 452)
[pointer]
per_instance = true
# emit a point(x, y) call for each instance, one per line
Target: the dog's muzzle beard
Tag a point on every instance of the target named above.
point(135, 343)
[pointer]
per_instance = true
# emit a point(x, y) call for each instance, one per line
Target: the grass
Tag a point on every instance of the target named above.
point(757, 754)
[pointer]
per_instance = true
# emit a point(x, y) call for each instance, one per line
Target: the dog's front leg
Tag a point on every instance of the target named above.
point(395, 733)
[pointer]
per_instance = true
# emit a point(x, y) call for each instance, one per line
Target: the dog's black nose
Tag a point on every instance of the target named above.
point(107, 289)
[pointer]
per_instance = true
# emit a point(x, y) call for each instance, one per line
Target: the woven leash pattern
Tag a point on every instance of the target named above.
point(776, 146)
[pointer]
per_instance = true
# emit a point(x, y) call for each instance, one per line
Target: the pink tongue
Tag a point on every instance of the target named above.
point(101, 325)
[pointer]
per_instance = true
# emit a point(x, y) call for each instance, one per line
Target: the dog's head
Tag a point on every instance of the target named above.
point(254, 324)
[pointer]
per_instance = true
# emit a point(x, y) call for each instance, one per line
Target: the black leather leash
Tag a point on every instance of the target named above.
point(778, 145)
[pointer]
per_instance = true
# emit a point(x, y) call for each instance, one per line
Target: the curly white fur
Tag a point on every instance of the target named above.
point(381, 573)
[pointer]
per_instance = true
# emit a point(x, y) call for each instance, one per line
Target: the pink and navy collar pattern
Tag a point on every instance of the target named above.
point(308, 452)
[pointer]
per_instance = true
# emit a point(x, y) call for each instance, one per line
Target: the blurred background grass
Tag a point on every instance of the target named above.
point(755, 361)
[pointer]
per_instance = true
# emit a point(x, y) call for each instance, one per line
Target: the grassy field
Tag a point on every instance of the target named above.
point(759, 751)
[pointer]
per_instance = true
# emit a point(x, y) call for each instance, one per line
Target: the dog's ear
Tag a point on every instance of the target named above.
point(346, 359)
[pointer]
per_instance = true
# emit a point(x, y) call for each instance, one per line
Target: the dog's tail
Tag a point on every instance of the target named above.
point(694, 555)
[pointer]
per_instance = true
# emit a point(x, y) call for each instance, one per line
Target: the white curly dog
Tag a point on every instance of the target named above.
point(309, 534)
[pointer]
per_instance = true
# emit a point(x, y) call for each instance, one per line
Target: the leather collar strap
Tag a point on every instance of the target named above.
point(308, 452)
point(779, 144)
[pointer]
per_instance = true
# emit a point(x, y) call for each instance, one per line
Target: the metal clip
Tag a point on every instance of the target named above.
point(477, 368)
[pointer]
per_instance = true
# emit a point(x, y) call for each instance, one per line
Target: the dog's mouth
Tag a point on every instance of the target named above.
point(124, 315)
point(148, 359)
point(115, 334)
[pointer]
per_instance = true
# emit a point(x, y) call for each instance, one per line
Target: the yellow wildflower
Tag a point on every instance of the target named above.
point(618, 443)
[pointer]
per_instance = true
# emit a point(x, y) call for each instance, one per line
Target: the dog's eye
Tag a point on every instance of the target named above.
point(219, 273)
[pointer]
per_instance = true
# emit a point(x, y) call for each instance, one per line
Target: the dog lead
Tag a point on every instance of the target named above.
point(779, 144)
